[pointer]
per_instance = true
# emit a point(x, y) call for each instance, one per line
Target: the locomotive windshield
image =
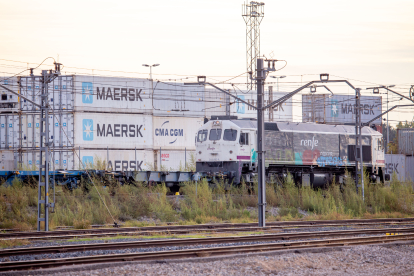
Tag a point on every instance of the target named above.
point(202, 135)
point(230, 135)
point(215, 134)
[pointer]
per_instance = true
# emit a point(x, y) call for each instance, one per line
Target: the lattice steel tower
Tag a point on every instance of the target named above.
point(253, 14)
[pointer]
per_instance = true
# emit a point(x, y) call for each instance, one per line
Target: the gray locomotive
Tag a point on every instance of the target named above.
point(313, 153)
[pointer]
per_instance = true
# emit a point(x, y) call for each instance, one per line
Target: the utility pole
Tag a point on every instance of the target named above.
point(43, 194)
point(271, 113)
point(261, 75)
point(359, 170)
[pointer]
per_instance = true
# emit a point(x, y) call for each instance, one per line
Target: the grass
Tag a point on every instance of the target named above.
point(202, 203)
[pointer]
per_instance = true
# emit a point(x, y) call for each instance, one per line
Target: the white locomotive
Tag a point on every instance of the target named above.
point(313, 153)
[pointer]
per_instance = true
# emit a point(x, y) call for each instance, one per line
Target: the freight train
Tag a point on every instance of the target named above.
point(314, 154)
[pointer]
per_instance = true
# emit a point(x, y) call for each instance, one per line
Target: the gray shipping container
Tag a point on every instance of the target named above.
point(409, 168)
point(178, 100)
point(339, 109)
point(406, 141)
point(395, 163)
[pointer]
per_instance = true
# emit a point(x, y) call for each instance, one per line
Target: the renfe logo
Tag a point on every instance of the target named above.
point(313, 142)
point(87, 125)
point(87, 92)
point(169, 132)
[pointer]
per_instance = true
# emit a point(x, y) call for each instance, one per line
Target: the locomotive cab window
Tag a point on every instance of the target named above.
point(202, 135)
point(244, 139)
point(215, 134)
point(230, 135)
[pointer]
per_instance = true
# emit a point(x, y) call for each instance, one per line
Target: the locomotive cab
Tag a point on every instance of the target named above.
point(225, 150)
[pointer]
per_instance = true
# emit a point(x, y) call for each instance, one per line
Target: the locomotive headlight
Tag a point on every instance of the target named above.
point(231, 152)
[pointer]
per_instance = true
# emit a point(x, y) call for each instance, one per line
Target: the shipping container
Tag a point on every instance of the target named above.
point(174, 160)
point(339, 109)
point(395, 163)
point(178, 100)
point(406, 141)
point(280, 113)
point(215, 103)
point(114, 159)
point(8, 101)
point(60, 92)
point(90, 93)
point(60, 130)
point(122, 131)
point(9, 131)
point(175, 132)
point(409, 168)
point(111, 94)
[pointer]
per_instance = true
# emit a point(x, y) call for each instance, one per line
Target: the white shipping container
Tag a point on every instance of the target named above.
point(122, 131)
point(60, 130)
point(109, 94)
point(60, 93)
point(395, 163)
point(175, 132)
point(178, 100)
point(7, 160)
point(173, 160)
point(281, 113)
point(9, 131)
point(59, 160)
point(115, 159)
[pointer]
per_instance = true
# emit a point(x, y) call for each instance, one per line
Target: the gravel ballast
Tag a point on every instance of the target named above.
point(388, 259)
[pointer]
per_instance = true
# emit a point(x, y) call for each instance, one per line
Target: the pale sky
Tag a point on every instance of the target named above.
point(367, 42)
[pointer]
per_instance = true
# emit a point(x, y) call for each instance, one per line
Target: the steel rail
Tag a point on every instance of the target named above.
point(200, 252)
point(192, 241)
point(199, 227)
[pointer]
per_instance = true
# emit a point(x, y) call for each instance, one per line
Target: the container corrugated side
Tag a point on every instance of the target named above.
point(9, 131)
point(122, 131)
point(111, 94)
point(173, 160)
point(406, 141)
point(115, 159)
point(59, 160)
point(395, 163)
point(282, 112)
point(409, 171)
point(9, 101)
point(60, 130)
point(60, 93)
point(214, 103)
point(175, 132)
point(313, 108)
point(178, 100)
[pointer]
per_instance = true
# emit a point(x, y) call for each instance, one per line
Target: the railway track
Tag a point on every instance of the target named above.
point(204, 252)
point(193, 241)
point(184, 229)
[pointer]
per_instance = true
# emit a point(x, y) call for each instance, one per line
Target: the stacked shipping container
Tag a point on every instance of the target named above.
point(117, 120)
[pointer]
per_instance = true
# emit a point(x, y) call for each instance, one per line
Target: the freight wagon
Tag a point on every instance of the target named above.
point(314, 154)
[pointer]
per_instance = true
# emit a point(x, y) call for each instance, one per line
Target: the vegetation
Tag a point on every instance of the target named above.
point(140, 205)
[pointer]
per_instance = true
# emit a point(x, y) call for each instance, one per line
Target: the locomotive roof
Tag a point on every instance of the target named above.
point(305, 127)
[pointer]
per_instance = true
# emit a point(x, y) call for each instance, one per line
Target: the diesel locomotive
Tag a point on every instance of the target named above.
point(314, 154)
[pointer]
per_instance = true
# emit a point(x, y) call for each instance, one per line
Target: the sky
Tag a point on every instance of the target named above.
point(367, 42)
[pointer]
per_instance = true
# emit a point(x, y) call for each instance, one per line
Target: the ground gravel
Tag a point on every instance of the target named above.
point(358, 260)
